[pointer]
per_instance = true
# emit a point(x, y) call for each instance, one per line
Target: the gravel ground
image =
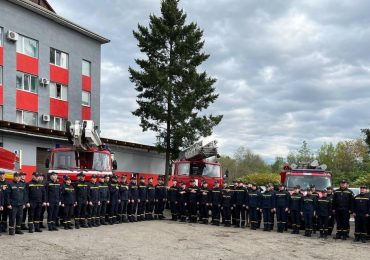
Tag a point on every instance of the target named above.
point(173, 240)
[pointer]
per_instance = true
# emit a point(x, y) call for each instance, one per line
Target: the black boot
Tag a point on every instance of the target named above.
point(363, 238)
point(309, 233)
point(357, 238)
point(321, 234)
point(23, 226)
point(37, 228)
point(65, 226)
point(50, 227)
point(11, 231)
point(30, 228)
point(18, 231)
point(54, 227)
point(124, 219)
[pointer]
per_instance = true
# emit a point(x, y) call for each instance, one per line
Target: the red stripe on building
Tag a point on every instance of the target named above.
point(1, 95)
point(58, 108)
point(59, 75)
point(27, 64)
point(86, 113)
point(27, 101)
point(86, 83)
point(1, 56)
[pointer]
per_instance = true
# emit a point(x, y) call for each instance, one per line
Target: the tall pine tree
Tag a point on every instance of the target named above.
point(172, 93)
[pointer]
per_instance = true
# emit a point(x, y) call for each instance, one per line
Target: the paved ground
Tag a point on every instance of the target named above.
point(174, 240)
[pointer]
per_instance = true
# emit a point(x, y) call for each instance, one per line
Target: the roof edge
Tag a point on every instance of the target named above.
point(60, 20)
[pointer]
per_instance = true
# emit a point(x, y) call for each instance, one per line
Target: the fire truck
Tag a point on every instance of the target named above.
point(306, 174)
point(8, 163)
point(88, 154)
point(199, 162)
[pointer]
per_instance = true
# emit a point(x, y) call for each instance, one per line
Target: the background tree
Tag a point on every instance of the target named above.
point(173, 94)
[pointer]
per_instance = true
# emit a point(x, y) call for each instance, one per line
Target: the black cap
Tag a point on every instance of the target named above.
point(297, 187)
point(312, 186)
point(22, 174)
point(174, 179)
point(150, 178)
point(281, 185)
point(16, 174)
point(329, 188)
point(217, 182)
point(36, 174)
point(133, 178)
point(105, 176)
point(80, 174)
point(124, 176)
point(343, 181)
point(192, 180)
point(204, 181)
point(66, 177)
point(94, 176)
point(363, 187)
point(142, 178)
point(53, 173)
point(114, 176)
point(2, 173)
point(308, 189)
point(182, 183)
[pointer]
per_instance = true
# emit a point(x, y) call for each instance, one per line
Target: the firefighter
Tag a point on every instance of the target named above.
point(317, 196)
point(104, 198)
point(204, 201)
point(330, 194)
point(53, 200)
point(142, 199)
point(267, 206)
point(82, 190)
point(25, 210)
point(254, 201)
point(94, 202)
point(240, 201)
point(226, 205)
point(173, 199)
point(295, 207)
point(215, 203)
point(4, 185)
point(160, 198)
point(282, 208)
point(123, 190)
point(308, 211)
point(36, 200)
point(323, 213)
point(115, 200)
point(193, 201)
point(182, 201)
point(232, 189)
point(342, 208)
point(361, 211)
point(68, 199)
point(133, 199)
point(150, 201)
point(16, 201)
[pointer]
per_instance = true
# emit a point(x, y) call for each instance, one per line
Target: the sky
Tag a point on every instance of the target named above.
point(287, 71)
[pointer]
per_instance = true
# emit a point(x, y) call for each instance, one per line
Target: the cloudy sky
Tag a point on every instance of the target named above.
point(287, 70)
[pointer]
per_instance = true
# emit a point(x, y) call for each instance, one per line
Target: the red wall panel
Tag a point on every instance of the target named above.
point(27, 101)
point(27, 64)
point(1, 95)
point(28, 169)
point(58, 108)
point(59, 75)
point(86, 83)
point(86, 113)
point(1, 56)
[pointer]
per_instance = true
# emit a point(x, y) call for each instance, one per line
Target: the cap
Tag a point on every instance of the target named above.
point(217, 182)
point(142, 178)
point(36, 174)
point(192, 180)
point(53, 173)
point(363, 187)
point(2, 173)
point(94, 176)
point(204, 181)
point(124, 176)
point(329, 188)
point(174, 179)
point(308, 189)
point(312, 186)
point(239, 181)
point(66, 177)
point(22, 174)
point(133, 178)
point(182, 183)
point(297, 187)
point(106, 176)
point(343, 181)
point(114, 176)
point(16, 174)
point(281, 185)
point(150, 178)
point(80, 174)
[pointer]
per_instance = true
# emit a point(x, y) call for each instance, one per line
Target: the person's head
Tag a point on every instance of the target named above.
point(106, 178)
point(204, 184)
point(67, 180)
point(235, 183)
point(343, 184)
point(114, 178)
point(123, 178)
point(133, 179)
point(101, 178)
point(363, 189)
point(81, 176)
point(16, 177)
point(160, 181)
point(254, 186)
point(183, 186)
point(35, 176)
point(309, 191)
point(174, 181)
point(240, 183)
point(313, 188)
point(281, 187)
point(2, 175)
point(217, 184)
point(93, 178)
point(297, 189)
point(192, 182)
point(23, 176)
point(53, 176)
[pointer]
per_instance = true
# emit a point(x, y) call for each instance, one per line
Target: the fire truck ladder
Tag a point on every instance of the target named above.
point(198, 151)
point(83, 134)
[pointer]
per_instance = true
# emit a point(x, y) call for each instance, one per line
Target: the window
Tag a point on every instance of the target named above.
point(26, 82)
point(27, 46)
point(58, 123)
point(58, 58)
point(1, 36)
point(58, 91)
point(27, 118)
point(1, 76)
point(86, 68)
point(86, 98)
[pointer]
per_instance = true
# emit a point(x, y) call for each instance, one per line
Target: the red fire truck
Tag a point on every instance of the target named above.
point(88, 154)
point(8, 163)
point(306, 174)
point(199, 162)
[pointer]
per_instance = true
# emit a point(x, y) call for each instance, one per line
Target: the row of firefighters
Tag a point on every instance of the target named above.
point(107, 200)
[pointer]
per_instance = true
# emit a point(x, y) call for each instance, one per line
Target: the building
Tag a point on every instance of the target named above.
point(49, 73)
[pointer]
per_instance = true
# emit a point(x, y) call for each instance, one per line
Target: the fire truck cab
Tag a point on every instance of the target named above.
point(306, 174)
point(199, 162)
point(88, 154)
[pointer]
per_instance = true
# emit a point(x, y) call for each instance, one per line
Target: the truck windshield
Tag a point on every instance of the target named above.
point(320, 182)
point(73, 160)
point(199, 169)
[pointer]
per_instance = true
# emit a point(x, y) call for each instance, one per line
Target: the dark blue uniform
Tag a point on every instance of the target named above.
point(68, 199)
point(295, 207)
point(36, 197)
point(94, 201)
point(53, 192)
point(282, 198)
point(133, 199)
point(308, 209)
point(204, 201)
point(114, 195)
point(16, 198)
point(267, 205)
point(172, 198)
point(361, 207)
point(342, 204)
point(323, 213)
point(227, 205)
point(216, 200)
point(193, 203)
point(82, 190)
point(254, 201)
point(160, 198)
point(4, 214)
point(104, 201)
point(141, 201)
point(149, 207)
point(124, 191)
point(182, 199)
point(240, 201)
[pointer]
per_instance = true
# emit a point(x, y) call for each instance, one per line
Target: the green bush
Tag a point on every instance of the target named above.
point(362, 180)
point(261, 178)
